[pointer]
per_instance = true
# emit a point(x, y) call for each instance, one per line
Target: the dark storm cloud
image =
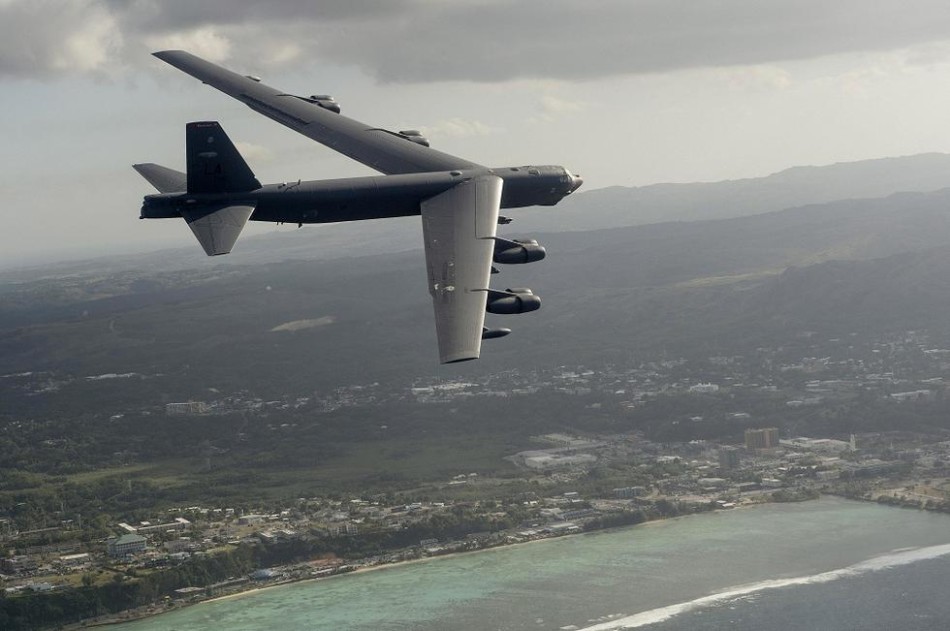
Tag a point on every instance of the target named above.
point(579, 40)
point(176, 15)
point(480, 40)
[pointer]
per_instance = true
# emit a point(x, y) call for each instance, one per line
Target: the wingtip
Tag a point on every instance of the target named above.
point(168, 56)
point(459, 360)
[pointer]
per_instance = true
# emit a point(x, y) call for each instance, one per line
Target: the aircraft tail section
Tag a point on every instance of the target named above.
point(214, 164)
point(215, 170)
point(162, 178)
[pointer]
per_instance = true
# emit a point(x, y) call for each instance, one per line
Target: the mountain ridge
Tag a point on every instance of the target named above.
point(605, 208)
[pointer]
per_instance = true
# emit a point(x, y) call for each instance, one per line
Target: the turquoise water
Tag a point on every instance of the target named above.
point(663, 573)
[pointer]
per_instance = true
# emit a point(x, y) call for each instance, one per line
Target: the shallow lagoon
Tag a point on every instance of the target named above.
point(659, 575)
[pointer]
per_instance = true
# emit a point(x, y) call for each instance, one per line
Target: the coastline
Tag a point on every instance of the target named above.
point(692, 553)
point(114, 620)
point(240, 593)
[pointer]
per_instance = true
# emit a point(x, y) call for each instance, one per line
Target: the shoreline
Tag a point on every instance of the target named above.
point(396, 564)
point(479, 577)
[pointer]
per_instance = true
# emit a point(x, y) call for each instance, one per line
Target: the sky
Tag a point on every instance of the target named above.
point(624, 92)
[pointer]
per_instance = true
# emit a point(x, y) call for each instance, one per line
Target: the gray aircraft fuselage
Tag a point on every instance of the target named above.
point(373, 197)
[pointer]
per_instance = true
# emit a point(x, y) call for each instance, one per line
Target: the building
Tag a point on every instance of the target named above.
point(712, 483)
point(190, 592)
point(915, 395)
point(629, 492)
point(186, 408)
point(728, 458)
point(339, 530)
point(75, 560)
point(126, 545)
point(542, 460)
point(872, 467)
point(828, 446)
point(766, 438)
point(20, 564)
point(145, 527)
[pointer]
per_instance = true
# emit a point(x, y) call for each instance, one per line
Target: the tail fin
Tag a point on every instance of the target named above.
point(214, 164)
point(164, 179)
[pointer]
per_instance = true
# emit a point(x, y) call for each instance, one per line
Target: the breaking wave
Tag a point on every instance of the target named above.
point(653, 616)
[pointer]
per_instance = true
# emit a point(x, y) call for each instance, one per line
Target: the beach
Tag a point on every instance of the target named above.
point(600, 578)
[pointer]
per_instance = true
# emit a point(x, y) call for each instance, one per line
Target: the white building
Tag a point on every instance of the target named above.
point(186, 408)
point(126, 545)
point(915, 395)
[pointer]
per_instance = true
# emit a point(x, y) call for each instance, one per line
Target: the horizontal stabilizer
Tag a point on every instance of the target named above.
point(218, 227)
point(162, 178)
point(214, 164)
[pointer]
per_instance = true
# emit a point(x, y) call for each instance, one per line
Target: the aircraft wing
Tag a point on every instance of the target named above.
point(377, 148)
point(458, 227)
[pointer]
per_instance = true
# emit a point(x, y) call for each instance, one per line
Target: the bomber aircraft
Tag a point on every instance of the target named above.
point(458, 200)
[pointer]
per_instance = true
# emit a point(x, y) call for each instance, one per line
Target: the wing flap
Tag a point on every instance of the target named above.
point(217, 228)
point(458, 228)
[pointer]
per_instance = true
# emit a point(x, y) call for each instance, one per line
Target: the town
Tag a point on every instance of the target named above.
point(710, 434)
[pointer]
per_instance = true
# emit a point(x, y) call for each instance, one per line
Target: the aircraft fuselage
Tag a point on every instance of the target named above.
point(373, 197)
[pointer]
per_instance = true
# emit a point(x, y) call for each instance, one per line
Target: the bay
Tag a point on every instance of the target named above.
point(806, 561)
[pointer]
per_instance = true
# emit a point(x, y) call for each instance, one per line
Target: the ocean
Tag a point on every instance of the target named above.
point(830, 564)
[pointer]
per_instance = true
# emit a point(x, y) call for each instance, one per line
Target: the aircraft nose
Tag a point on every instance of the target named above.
point(576, 182)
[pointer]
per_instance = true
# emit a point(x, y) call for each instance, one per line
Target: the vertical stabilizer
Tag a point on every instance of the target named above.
point(214, 164)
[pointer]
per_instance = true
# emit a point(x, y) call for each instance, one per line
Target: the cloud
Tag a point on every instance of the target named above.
point(45, 37)
point(204, 41)
point(457, 128)
point(255, 154)
point(471, 40)
point(756, 77)
point(551, 108)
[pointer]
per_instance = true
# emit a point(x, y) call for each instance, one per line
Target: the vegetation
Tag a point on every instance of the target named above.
point(795, 495)
point(42, 610)
point(90, 356)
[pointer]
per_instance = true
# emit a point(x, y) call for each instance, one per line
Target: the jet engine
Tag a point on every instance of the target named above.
point(517, 251)
point(414, 135)
point(325, 101)
point(512, 301)
point(493, 334)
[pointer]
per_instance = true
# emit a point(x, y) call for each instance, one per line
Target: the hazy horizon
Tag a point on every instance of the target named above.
point(645, 92)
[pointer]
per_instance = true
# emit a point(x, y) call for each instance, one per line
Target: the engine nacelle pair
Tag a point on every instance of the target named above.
point(512, 301)
point(325, 101)
point(517, 251)
point(414, 135)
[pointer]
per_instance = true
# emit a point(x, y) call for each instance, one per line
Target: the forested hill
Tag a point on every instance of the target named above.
point(300, 325)
point(586, 210)
point(798, 186)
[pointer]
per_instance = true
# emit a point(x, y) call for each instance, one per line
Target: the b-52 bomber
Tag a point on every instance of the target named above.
point(459, 200)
